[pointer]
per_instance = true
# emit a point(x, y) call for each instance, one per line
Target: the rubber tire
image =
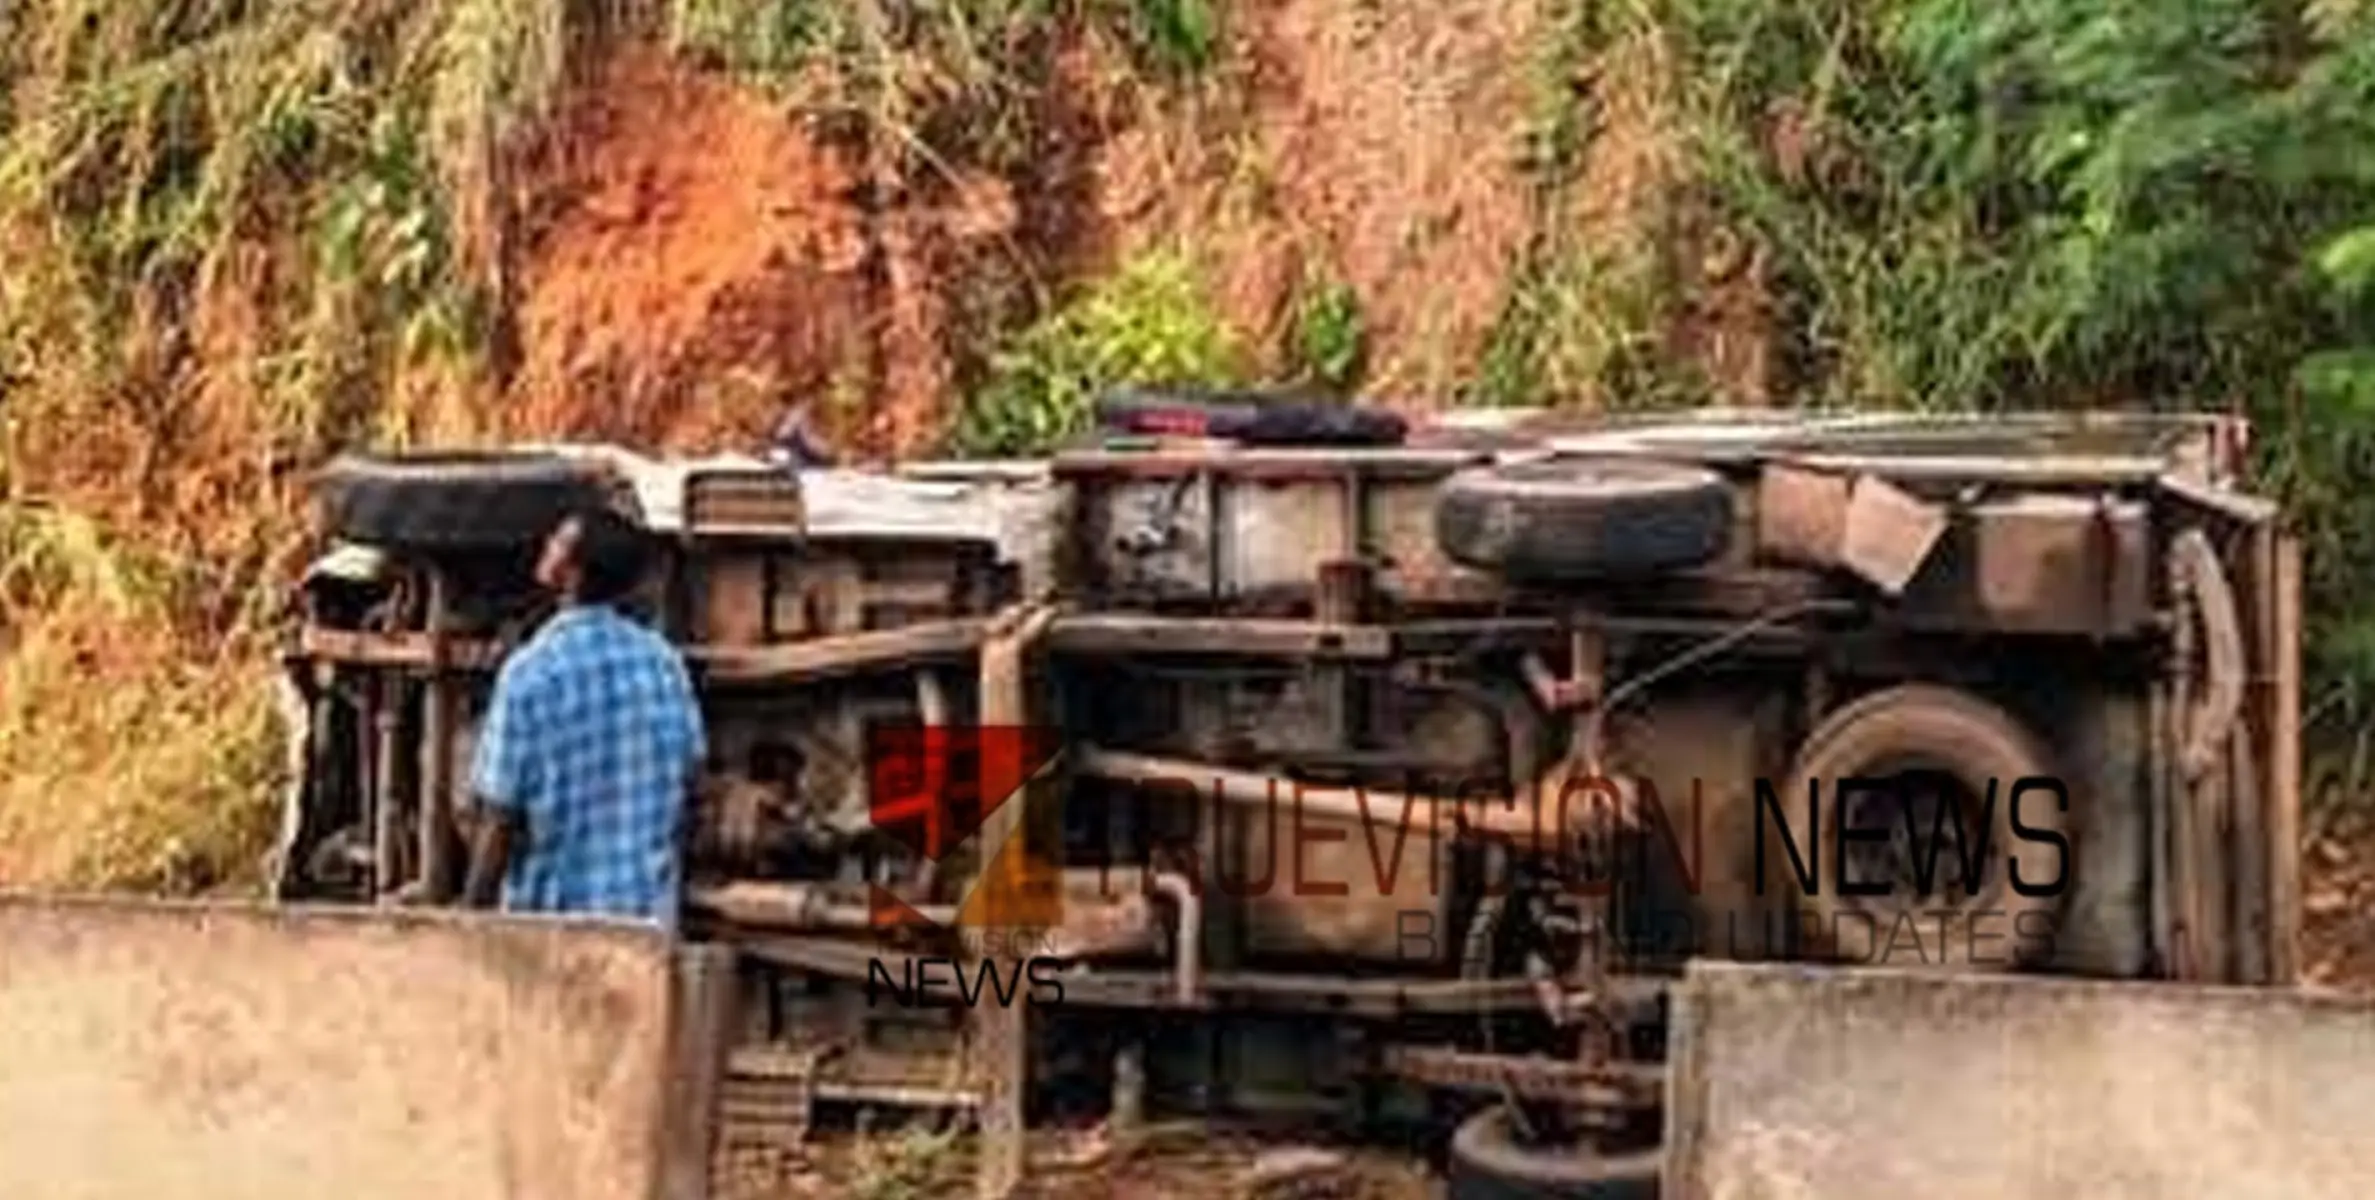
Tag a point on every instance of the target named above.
point(1487, 1163)
point(454, 502)
point(1583, 518)
point(1957, 732)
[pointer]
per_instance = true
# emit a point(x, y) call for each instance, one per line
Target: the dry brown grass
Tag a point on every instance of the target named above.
point(1374, 144)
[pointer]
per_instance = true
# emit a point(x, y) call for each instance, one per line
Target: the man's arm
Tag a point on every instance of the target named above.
point(500, 784)
point(491, 849)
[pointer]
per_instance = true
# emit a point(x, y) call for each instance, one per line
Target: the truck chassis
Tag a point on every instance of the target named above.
point(1596, 660)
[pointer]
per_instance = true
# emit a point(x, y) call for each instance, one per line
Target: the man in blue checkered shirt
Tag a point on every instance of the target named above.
point(590, 748)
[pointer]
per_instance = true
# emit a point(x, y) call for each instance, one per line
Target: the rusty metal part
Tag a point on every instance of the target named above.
point(1100, 920)
point(1000, 1034)
point(1636, 684)
point(730, 503)
point(769, 1098)
point(737, 818)
point(2182, 952)
point(1502, 816)
point(1625, 1085)
point(1801, 515)
point(2247, 921)
point(2210, 696)
point(790, 662)
point(1267, 465)
point(1122, 634)
point(2030, 563)
point(772, 1093)
point(440, 717)
point(2284, 753)
point(370, 648)
point(1551, 692)
point(1343, 599)
point(2249, 510)
point(796, 907)
point(2161, 806)
point(385, 727)
point(1888, 534)
point(842, 654)
point(2195, 562)
point(1190, 910)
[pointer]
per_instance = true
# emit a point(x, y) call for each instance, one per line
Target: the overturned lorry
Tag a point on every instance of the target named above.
point(1381, 784)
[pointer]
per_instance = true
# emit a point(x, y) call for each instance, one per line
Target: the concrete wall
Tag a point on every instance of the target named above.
point(195, 1052)
point(1791, 1083)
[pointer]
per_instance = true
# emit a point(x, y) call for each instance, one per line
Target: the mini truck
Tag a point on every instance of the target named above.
point(1384, 787)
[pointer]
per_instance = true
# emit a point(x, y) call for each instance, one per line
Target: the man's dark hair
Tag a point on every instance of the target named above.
point(612, 553)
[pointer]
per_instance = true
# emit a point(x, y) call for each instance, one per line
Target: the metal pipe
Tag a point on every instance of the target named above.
point(1235, 786)
point(800, 907)
point(1496, 815)
point(1190, 954)
point(1549, 690)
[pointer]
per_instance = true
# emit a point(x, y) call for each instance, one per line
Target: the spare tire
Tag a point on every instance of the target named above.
point(455, 502)
point(1488, 1162)
point(1571, 518)
point(1976, 754)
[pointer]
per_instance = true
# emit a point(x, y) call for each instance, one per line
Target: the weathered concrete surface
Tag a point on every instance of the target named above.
point(195, 1052)
point(1800, 1083)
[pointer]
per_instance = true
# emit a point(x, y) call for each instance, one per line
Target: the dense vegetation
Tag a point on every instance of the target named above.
point(241, 232)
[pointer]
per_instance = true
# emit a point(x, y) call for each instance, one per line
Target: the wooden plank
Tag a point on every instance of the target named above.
point(840, 654)
point(413, 650)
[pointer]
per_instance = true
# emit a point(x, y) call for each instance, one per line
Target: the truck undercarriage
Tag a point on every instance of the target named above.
point(1381, 787)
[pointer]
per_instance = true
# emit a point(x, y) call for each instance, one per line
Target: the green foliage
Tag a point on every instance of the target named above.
point(1328, 336)
point(171, 137)
point(758, 37)
point(1148, 323)
point(918, 1162)
point(1979, 203)
point(1181, 36)
point(2047, 202)
point(1578, 324)
point(1582, 320)
point(1565, 63)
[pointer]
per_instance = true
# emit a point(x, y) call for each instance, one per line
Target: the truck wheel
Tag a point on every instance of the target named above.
point(1567, 518)
point(454, 502)
point(1968, 757)
point(1488, 1162)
